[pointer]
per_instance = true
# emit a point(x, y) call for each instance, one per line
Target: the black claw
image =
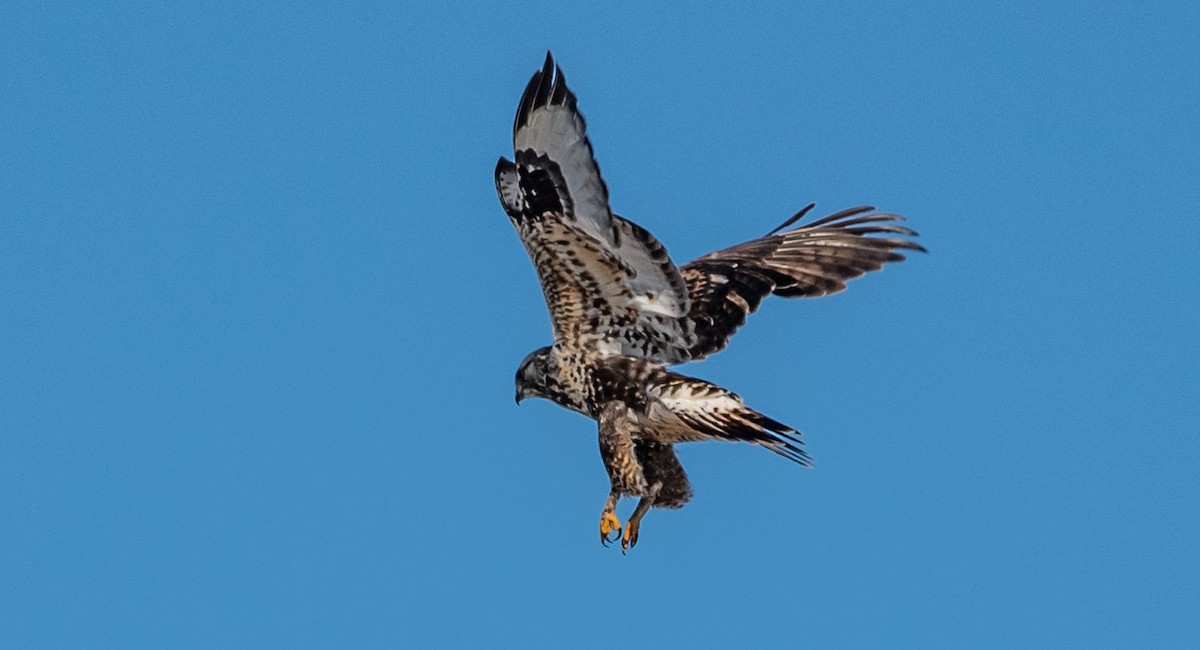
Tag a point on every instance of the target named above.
point(606, 541)
point(633, 539)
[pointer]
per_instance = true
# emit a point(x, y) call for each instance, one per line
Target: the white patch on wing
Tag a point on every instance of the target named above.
point(654, 280)
point(609, 347)
point(656, 305)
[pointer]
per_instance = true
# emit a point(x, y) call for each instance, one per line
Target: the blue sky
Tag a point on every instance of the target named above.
point(261, 313)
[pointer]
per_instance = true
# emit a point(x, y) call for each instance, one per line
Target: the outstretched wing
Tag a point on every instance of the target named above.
point(810, 261)
point(609, 284)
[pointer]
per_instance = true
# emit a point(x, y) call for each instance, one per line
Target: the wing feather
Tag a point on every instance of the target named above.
point(813, 260)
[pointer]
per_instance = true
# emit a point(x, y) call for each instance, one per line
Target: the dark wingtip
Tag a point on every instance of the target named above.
point(547, 86)
point(545, 80)
point(559, 95)
point(792, 219)
point(526, 103)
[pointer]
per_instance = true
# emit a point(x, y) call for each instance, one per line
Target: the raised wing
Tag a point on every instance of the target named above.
point(609, 284)
point(810, 261)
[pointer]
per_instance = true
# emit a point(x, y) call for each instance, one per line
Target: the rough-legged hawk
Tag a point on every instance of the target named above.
point(622, 311)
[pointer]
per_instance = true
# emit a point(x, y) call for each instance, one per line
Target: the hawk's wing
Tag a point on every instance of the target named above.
point(607, 281)
point(810, 261)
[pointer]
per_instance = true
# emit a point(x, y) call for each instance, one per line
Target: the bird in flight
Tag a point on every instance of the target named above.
point(622, 311)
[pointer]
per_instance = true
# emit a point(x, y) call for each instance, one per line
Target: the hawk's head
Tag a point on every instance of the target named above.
point(535, 377)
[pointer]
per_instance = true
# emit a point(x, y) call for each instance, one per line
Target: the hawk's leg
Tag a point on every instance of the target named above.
point(629, 536)
point(609, 524)
point(624, 472)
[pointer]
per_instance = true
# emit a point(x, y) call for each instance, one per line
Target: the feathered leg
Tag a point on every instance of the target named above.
point(660, 465)
point(668, 485)
point(629, 536)
point(624, 471)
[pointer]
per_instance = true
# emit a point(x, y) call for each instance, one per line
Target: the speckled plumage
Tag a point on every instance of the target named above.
point(621, 310)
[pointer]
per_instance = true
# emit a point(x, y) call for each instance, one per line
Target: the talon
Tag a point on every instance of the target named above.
point(609, 524)
point(629, 537)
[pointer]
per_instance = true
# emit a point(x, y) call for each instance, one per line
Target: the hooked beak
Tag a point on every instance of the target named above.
point(520, 396)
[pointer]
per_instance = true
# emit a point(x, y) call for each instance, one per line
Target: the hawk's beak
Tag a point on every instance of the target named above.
point(520, 396)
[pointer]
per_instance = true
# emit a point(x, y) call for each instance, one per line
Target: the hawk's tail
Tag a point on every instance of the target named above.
point(779, 438)
point(715, 413)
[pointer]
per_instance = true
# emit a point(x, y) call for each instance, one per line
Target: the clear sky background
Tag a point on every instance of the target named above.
point(260, 312)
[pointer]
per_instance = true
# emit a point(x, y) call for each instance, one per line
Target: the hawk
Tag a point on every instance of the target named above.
point(622, 311)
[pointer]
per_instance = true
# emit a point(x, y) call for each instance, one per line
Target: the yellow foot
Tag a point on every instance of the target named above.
point(609, 524)
point(630, 535)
